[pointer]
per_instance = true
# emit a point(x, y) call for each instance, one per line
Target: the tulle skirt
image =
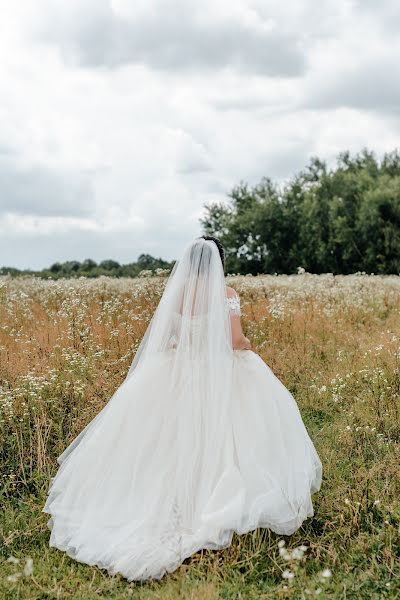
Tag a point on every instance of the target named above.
point(135, 492)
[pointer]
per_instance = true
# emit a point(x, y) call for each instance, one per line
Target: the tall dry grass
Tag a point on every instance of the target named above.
point(65, 347)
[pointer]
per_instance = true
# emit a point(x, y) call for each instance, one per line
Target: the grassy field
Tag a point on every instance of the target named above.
point(65, 347)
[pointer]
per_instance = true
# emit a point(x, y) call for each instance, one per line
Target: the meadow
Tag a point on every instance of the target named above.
point(334, 341)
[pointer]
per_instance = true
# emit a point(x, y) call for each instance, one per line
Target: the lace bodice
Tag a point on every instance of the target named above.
point(233, 305)
point(197, 322)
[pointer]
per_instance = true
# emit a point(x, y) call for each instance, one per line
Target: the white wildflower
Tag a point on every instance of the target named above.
point(14, 577)
point(326, 573)
point(287, 574)
point(28, 569)
point(297, 553)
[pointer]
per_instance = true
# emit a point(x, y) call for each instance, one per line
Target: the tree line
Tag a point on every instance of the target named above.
point(90, 268)
point(344, 219)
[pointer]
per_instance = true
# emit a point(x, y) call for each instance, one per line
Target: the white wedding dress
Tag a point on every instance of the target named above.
point(199, 441)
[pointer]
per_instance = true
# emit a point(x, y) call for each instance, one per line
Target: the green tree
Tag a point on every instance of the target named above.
point(340, 220)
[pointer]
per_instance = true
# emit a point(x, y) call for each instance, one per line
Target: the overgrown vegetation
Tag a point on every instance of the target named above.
point(89, 268)
point(340, 220)
point(65, 347)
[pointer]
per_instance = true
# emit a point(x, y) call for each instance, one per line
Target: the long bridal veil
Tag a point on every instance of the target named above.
point(195, 292)
point(191, 329)
point(140, 487)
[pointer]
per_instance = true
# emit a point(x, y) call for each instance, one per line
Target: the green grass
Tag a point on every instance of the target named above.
point(60, 362)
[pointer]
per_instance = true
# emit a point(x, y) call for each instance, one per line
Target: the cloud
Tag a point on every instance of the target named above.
point(386, 14)
point(32, 242)
point(172, 36)
point(120, 120)
point(357, 68)
point(42, 191)
point(371, 86)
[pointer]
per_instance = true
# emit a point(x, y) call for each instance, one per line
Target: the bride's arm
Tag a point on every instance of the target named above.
point(239, 340)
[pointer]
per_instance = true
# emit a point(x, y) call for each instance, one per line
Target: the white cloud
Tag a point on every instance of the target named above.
point(172, 35)
point(120, 120)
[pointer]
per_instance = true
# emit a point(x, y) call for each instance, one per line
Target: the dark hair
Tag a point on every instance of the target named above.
point(220, 247)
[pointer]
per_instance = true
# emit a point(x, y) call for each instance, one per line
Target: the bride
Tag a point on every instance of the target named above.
point(201, 440)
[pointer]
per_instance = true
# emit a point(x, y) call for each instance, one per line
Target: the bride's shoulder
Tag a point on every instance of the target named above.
point(230, 292)
point(232, 301)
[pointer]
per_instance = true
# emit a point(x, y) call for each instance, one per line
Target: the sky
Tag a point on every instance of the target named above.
point(120, 120)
